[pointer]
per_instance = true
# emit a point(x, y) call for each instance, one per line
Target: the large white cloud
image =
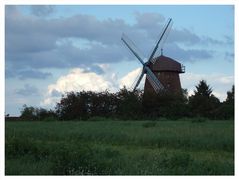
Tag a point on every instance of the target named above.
point(129, 80)
point(80, 80)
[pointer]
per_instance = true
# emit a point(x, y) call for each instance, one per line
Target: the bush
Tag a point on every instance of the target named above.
point(134, 105)
point(33, 113)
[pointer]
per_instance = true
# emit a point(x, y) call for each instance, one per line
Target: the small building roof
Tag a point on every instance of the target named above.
point(164, 63)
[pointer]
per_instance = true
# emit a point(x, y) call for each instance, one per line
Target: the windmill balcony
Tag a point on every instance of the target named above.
point(182, 68)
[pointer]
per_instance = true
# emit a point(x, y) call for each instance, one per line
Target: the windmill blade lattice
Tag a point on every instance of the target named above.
point(163, 36)
point(140, 78)
point(154, 81)
point(132, 48)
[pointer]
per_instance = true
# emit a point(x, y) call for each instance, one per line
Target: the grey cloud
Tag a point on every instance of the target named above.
point(75, 56)
point(9, 73)
point(27, 74)
point(31, 42)
point(33, 74)
point(37, 60)
point(175, 51)
point(183, 35)
point(146, 20)
point(42, 10)
point(28, 90)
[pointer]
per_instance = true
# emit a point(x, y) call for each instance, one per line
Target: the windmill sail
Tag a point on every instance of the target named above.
point(161, 40)
point(154, 81)
point(156, 89)
point(132, 48)
point(140, 77)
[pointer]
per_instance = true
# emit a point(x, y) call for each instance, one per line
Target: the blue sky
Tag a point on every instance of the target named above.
point(54, 49)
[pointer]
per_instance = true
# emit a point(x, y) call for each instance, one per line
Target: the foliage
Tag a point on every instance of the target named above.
point(230, 96)
point(28, 113)
point(86, 104)
point(203, 102)
point(203, 89)
point(165, 104)
point(129, 103)
point(120, 148)
point(32, 113)
point(125, 104)
point(226, 110)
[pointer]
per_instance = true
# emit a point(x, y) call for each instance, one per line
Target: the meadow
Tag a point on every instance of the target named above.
point(110, 147)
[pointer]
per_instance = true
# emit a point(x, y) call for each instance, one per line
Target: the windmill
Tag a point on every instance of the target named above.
point(162, 73)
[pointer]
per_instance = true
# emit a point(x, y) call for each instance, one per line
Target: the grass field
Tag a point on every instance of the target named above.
point(120, 148)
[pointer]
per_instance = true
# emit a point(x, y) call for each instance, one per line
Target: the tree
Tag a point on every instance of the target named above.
point(33, 113)
point(202, 89)
point(203, 102)
point(72, 106)
point(230, 96)
point(28, 113)
point(166, 104)
point(129, 103)
point(226, 110)
point(102, 104)
point(85, 104)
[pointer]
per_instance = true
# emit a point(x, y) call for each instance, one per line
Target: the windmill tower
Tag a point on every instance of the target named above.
point(167, 71)
point(162, 73)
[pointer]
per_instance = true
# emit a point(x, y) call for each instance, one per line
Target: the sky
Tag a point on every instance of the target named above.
point(51, 50)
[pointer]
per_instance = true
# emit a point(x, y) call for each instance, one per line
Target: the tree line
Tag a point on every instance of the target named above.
point(126, 104)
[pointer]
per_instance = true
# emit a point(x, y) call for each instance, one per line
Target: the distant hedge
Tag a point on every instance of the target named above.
point(127, 104)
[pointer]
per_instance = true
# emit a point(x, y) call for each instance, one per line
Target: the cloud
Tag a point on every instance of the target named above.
point(146, 20)
point(28, 90)
point(33, 74)
point(79, 80)
point(27, 74)
point(129, 80)
point(42, 10)
point(188, 54)
point(82, 40)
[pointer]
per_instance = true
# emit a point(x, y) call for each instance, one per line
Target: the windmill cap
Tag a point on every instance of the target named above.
point(164, 63)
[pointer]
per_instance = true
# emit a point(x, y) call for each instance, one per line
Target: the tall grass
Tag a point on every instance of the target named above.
point(120, 148)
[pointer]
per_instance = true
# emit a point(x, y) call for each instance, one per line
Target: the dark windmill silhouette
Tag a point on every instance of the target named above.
point(162, 73)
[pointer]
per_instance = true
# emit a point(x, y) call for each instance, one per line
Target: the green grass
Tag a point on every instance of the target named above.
point(105, 147)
